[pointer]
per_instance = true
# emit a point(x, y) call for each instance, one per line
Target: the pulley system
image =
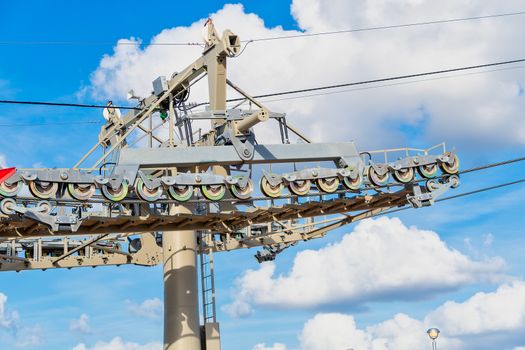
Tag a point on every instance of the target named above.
point(151, 172)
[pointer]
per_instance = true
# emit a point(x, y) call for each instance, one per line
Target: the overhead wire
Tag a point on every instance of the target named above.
point(379, 80)
point(282, 37)
point(297, 91)
point(389, 85)
point(64, 104)
point(80, 122)
point(395, 26)
point(464, 194)
point(93, 43)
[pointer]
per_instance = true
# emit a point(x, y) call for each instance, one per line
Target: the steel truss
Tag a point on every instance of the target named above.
point(144, 205)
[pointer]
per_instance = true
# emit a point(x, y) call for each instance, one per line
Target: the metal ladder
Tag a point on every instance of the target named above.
point(207, 279)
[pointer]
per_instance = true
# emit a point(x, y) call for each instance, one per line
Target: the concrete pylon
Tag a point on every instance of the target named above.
point(181, 302)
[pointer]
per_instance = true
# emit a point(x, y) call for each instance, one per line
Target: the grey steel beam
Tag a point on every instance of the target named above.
point(227, 155)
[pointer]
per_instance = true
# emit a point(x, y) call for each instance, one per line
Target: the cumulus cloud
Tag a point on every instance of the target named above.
point(340, 331)
point(502, 310)
point(462, 110)
point(497, 319)
point(118, 344)
point(80, 325)
point(238, 308)
point(151, 308)
point(381, 259)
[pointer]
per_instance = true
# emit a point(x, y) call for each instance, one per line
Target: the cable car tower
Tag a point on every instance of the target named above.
point(158, 192)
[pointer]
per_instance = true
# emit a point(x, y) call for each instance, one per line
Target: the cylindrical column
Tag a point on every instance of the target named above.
point(181, 303)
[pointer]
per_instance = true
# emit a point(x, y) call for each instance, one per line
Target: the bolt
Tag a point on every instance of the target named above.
point(246, 152)
point(198, 178)
point(63, 176)
point(416, 161)
point(314, 173)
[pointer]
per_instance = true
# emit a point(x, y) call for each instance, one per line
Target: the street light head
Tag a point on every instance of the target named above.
point(433, 333)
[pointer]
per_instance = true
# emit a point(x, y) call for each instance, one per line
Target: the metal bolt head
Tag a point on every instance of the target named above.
point(416, 160)
point(314, 173)
point(246, 152)
point(63, 176)
point(198, 178)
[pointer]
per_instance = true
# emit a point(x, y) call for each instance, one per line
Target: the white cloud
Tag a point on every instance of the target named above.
point(275, 346)
point(340, 331)
point(502, 310)
point(238, 308)
point(460, 110)
point(151, 308)
point(80, 325)
point(118, 344)
point(381, 259)
point(496, 319)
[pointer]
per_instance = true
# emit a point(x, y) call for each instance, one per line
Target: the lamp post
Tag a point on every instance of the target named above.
point(433, 333)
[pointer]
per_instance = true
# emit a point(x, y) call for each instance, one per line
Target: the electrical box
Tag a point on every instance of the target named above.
point(160, 85)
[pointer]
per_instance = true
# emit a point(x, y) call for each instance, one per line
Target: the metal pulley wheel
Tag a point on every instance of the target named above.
point(242, 192)
point(454, 181)
point(44, 207)
point(404, 175)
point(81, 192)
point(7, 205)
point(432, 185)
point(300, 187)
point(150, 195)
point(213, 192)
point(451, 168)
point(328, 185)
point(43, 189)
point(427, 171)
point(269, 190)
point(353, 184)
point(10, 190)
point(376, 179)
point(181, 193)
point(115, 194)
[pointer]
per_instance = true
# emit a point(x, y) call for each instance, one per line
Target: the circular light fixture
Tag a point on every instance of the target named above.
point(433, 333)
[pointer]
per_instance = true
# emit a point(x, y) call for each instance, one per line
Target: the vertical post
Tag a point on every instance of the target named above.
point(150, 143)
point(181, 303)
point(171, 122)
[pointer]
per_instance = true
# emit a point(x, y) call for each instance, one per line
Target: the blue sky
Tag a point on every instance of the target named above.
point(480, 115)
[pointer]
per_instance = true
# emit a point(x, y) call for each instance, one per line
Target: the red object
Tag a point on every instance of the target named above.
point(6, 173)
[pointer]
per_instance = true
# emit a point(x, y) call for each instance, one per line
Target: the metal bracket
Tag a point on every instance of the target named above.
point(434, 189)
point(244, 148)
point(55, 222)
point(269, 253)
point(380, 169)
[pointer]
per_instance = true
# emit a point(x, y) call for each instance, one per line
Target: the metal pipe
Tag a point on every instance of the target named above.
point(253, 119)
point(181, 303)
